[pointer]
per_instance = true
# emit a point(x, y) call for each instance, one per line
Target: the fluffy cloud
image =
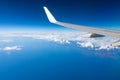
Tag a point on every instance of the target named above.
point(80, 38)
point(12, 48)
point(86, 44)
point(6, 40)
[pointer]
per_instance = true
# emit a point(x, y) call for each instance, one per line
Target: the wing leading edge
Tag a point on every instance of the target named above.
point(99, 31)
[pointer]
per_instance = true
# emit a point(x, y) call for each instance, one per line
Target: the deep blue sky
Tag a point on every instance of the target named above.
point(30, 14)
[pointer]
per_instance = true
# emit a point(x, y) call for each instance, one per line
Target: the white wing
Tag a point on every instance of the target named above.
point(99, 31)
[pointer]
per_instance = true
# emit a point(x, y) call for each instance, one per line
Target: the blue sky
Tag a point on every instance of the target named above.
point(29, 13)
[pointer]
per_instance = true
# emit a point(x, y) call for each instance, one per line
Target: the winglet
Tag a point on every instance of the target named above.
point(49, 15)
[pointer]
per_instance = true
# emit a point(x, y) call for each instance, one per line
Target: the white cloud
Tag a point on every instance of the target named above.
point(86, 44)
point(12, 48)
point(80, 38)
point(7, 40)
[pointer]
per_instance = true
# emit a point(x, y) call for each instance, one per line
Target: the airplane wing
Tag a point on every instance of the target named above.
point(99, 31)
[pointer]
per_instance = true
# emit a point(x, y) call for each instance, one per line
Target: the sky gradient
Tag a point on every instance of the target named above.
point(30, 13)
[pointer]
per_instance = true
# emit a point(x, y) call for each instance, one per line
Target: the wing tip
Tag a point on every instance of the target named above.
point(49, 15)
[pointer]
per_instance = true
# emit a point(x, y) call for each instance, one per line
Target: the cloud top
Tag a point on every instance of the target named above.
point(80, 38)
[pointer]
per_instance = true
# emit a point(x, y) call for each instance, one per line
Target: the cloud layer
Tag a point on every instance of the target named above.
point(80, 38)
